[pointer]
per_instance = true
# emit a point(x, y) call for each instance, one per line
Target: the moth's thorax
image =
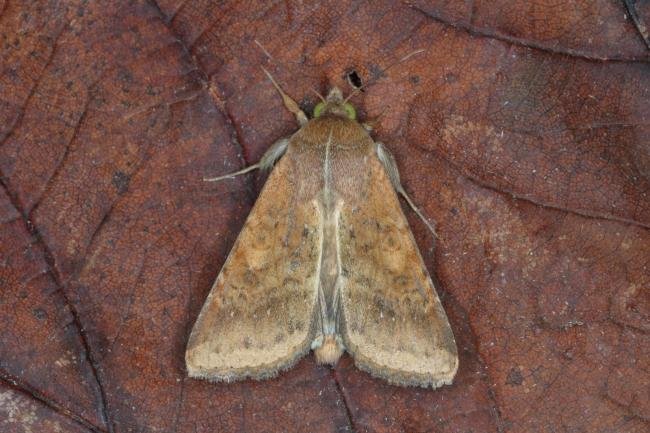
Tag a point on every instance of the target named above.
point(335, 130)
point(332, 150)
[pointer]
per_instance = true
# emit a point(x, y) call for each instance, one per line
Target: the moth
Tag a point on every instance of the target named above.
point(325, 261)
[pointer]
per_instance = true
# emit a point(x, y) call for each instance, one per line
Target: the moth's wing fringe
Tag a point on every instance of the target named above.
point(402, 378)
point(261, 372)
point(265, 371)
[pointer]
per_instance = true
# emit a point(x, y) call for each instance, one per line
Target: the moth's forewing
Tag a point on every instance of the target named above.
point(257, 319)
point(394, 324)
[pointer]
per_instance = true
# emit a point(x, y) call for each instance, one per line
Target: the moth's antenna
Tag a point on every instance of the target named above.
point(382, 72)
point(321, 97)
point(289, 103)
point(264, 49)
point(267, 54)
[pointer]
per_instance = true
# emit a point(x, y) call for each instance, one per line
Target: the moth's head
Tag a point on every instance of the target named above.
point(335, 105)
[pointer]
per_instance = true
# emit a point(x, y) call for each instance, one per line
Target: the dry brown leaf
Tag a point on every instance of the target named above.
point(523, 130)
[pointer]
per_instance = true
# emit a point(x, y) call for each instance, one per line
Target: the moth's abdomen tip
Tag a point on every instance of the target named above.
point(329, 352)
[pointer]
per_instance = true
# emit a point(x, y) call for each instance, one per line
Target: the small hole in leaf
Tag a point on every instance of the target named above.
point(354, 79)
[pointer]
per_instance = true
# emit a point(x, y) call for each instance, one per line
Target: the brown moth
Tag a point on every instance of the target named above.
point(325, 261)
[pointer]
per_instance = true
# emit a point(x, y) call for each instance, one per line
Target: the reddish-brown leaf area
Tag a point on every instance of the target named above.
point(523, 130)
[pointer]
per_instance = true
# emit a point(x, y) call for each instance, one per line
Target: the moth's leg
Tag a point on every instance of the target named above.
point(289, 103)
point(389, 164)
point(268, 159)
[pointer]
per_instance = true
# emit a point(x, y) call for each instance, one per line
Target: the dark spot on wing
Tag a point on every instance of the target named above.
point(401, 280)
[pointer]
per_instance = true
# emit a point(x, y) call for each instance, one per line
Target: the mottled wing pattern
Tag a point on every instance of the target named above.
point(394, 325)
point(257, 319)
